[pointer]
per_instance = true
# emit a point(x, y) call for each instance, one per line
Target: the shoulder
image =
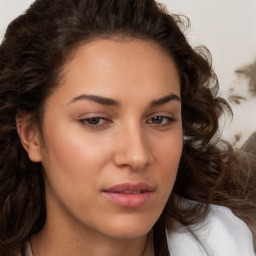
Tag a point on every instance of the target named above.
point(220, 234)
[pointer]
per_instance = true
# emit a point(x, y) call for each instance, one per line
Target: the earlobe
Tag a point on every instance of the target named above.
point(29, 136)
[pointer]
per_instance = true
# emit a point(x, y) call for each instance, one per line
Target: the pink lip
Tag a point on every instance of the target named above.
point(129, 195)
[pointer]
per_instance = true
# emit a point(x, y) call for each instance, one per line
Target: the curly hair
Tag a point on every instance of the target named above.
point(32, 55)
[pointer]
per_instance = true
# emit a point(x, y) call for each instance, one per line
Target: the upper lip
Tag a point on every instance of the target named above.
point(143, 187)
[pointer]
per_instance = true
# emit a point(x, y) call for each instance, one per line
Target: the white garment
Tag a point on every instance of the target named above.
point(28, 250)
point(221, 234)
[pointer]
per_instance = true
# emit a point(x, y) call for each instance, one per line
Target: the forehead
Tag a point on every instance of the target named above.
point(109, 67)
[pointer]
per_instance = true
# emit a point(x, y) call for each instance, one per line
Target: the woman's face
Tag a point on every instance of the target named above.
point(112, 139)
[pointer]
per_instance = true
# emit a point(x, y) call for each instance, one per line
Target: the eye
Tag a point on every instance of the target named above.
point(161, 120)
point(94, 122)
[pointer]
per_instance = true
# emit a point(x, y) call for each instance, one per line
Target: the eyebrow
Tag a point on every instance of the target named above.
point(165, 99)
point(111, 102)
point(97, 99)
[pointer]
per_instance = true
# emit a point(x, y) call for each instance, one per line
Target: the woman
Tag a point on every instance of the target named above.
point(108, 122)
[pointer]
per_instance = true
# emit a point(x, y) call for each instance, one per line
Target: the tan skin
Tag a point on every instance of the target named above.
point(131, 132)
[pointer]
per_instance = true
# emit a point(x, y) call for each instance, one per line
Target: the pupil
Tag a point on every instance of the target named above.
point(157, 120)
point(93, 120)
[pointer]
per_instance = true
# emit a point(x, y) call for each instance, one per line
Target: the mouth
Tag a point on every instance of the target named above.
point(131, 192)
point(129, 195)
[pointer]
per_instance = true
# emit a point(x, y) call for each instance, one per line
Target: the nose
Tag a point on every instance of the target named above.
point(132, 148)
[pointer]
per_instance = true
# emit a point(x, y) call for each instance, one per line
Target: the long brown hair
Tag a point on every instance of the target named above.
point(35, 48)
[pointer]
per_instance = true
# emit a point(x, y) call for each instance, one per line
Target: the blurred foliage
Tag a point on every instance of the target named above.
point(249, 71)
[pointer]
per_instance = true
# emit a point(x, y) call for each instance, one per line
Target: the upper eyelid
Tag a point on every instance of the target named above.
point(104, 122)
point(91, 115)
point(115, 115)
point(161, 113)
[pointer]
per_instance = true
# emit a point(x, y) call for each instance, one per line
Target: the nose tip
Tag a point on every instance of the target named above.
point(135, 160)
point(133, 151)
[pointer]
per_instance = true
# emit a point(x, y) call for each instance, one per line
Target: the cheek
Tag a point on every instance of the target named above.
point(168, 150)
point(75, 147)
point(168, 154)
point(73, 170)
point(73, 161)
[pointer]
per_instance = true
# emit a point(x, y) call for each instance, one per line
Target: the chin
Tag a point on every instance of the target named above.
point(130, 233)
point(130, 227)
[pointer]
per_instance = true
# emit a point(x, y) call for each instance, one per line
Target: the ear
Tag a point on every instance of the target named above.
point(29, 136)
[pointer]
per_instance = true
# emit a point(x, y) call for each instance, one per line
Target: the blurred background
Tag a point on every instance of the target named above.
point(227, 28)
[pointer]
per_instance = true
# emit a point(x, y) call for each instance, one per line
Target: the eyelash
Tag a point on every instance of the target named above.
point(86, 122)
point(97, 119)
point(168, 120)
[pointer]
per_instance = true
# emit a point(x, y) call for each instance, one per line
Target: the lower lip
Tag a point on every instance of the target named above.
point(128, 200)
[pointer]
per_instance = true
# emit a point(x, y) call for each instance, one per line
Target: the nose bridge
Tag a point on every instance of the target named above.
point(132, 146)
